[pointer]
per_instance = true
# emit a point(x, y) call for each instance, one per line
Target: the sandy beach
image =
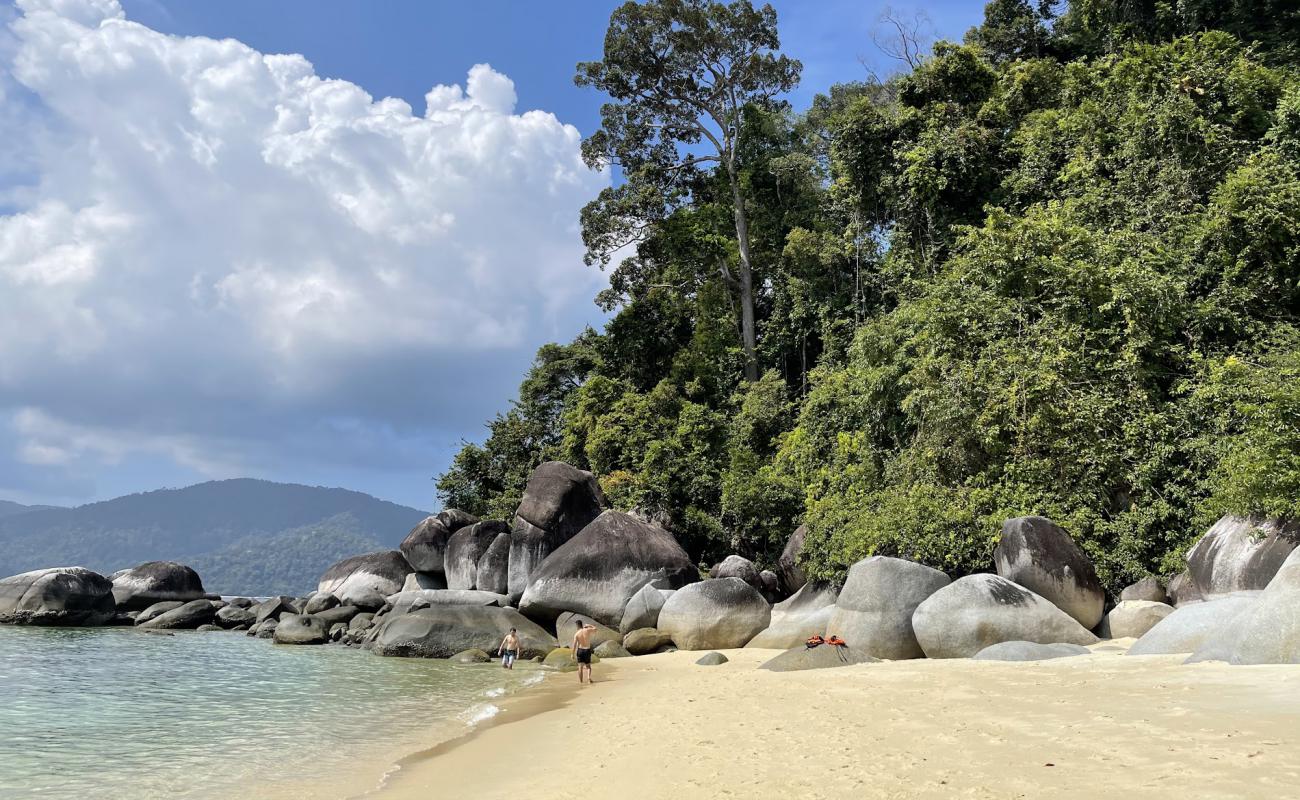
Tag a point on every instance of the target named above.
point(1092, 726)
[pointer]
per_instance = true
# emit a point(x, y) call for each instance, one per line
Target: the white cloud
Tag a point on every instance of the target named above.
point(199, 241)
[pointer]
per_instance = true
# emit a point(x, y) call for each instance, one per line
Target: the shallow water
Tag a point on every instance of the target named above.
point(110, 713)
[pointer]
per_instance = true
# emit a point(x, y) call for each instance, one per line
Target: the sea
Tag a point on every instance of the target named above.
point(109, 713)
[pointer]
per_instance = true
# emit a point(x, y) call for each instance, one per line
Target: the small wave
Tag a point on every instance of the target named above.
point(480, 713)
point(497, 692)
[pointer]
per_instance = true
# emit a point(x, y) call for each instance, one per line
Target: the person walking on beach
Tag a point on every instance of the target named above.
point(582, 648)
point(509, 650)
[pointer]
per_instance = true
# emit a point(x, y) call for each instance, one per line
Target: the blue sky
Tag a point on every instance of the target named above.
point(219, 263)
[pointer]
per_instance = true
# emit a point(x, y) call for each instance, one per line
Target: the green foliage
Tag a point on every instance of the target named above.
point(1054, 270)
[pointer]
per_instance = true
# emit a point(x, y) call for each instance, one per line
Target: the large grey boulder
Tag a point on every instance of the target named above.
point(644, 641)
point(320, 601)
point(273, 607)
point(1182, 589)
point(714, 615)
point(807, 612)
point(1132, 618)
point(337, 614)
point(1240, 554)
point(464, 549)
point(873, 612)
point(232, 616)
point(598, 571)
point(611, 649)
point(155, 610)
point(367, 579)
point(189, 616)
point(493, 574)
point(734, 566)
point(642, 611)
point(976, 611)
point(154, 581)
point(443, 631)
point(559, 501)
point(1191, 625)
point(57, 596)
point(425, 547)
point(418, 581)
point(823, 657)
point(565, 629)
point(406, 602)
point(1148, 589)
point(787, 566)
point(1037, 554)
point(301, 629)
point(1268, 632)
point(1029, 651)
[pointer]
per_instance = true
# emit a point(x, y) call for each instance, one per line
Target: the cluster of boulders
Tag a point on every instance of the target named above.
point(459, 584)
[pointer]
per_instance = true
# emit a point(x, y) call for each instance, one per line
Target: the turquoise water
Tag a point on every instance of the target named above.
point(117, 713)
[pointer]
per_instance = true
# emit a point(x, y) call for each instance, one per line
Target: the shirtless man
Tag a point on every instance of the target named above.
point(509, 650)
point(582, 648)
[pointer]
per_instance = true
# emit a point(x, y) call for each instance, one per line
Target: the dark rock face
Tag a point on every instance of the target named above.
point(558, 502)
point(976, 611)
point(425, 547)
point(155, 581)
point(443, 631)
point(645, 640)
point(361, 621)
point(337, 614)
point(273, 607)
point(1029, 651)
point(787, 566)
point(737, 567)
point(232, 616)
point(1182, 590)
point(301, 629)
point(873, 612)
point(712, 659)
point(824, 657)
point(771, 587)
point(598, 571)
point(1191, 626)
point(714, 615)
point(464, 550)
point(1240, 554)
point(1148, 589)
point(58, 596)
point(1036, 554)
point(155, 610)
point(191, 615)
point(265, 629)
point(642, 611)
point(807, 612)
point(493, 574)
point(417, 581)
point(320, 602)
point(366, 580)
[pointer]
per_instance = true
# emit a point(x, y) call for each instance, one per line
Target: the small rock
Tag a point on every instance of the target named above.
point(712, 659)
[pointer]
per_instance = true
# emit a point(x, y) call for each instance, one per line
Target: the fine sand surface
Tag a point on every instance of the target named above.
point(1103, 725)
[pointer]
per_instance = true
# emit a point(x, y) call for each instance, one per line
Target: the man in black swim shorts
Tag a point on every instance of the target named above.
point(582, 649)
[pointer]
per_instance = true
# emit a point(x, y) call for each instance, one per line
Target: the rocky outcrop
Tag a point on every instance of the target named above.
point(611, 650)
point(155, 610)
point(464, 549)
point(807, 612)
point(1240, 554)
point(367, 579)
point(642, 611)
point(598, 571)
point(493, 574)
point(153, 582)
point(57, 596)
point(771, 585)
point(425, 547)
point(712, 659)
point(418, 581)
point(714, 615)
point(644, 641)
point(787, 566)
point(337, 614)
point(1036, 554)
point(273, 607)
point(734, 566)
point(189, 616)
point(301, 629)
point(800, 658)
point(1268, 632)
point(976, 611)
point(1182, 590)
point(1148, 589)
point(320, 601)
point(559, 501)
point(873, 612)
point(565, 629)
point(1029, 651)
point(1132, 618)
point(406, 602)
point(443, 631)
point(1191, 625)
point(232, 616)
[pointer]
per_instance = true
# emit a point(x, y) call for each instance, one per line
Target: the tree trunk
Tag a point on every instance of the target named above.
point(747, 334)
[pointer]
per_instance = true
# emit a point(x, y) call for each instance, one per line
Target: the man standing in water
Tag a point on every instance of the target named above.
point(582, 648)
point(509, 650)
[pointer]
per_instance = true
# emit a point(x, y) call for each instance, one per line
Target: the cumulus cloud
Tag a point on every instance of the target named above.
point(214, 255)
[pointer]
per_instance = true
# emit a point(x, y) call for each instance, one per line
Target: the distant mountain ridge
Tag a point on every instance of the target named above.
point(244, 536)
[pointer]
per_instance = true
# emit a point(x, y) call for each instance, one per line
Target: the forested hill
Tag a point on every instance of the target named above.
point(1052, 269)
point(243, 536)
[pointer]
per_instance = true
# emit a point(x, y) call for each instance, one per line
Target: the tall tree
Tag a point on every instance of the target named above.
point(679, 73)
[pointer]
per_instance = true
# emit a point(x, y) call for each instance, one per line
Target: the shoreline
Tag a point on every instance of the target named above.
point(660, 726)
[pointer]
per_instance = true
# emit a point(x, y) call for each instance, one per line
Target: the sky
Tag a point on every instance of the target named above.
point(314, 242)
